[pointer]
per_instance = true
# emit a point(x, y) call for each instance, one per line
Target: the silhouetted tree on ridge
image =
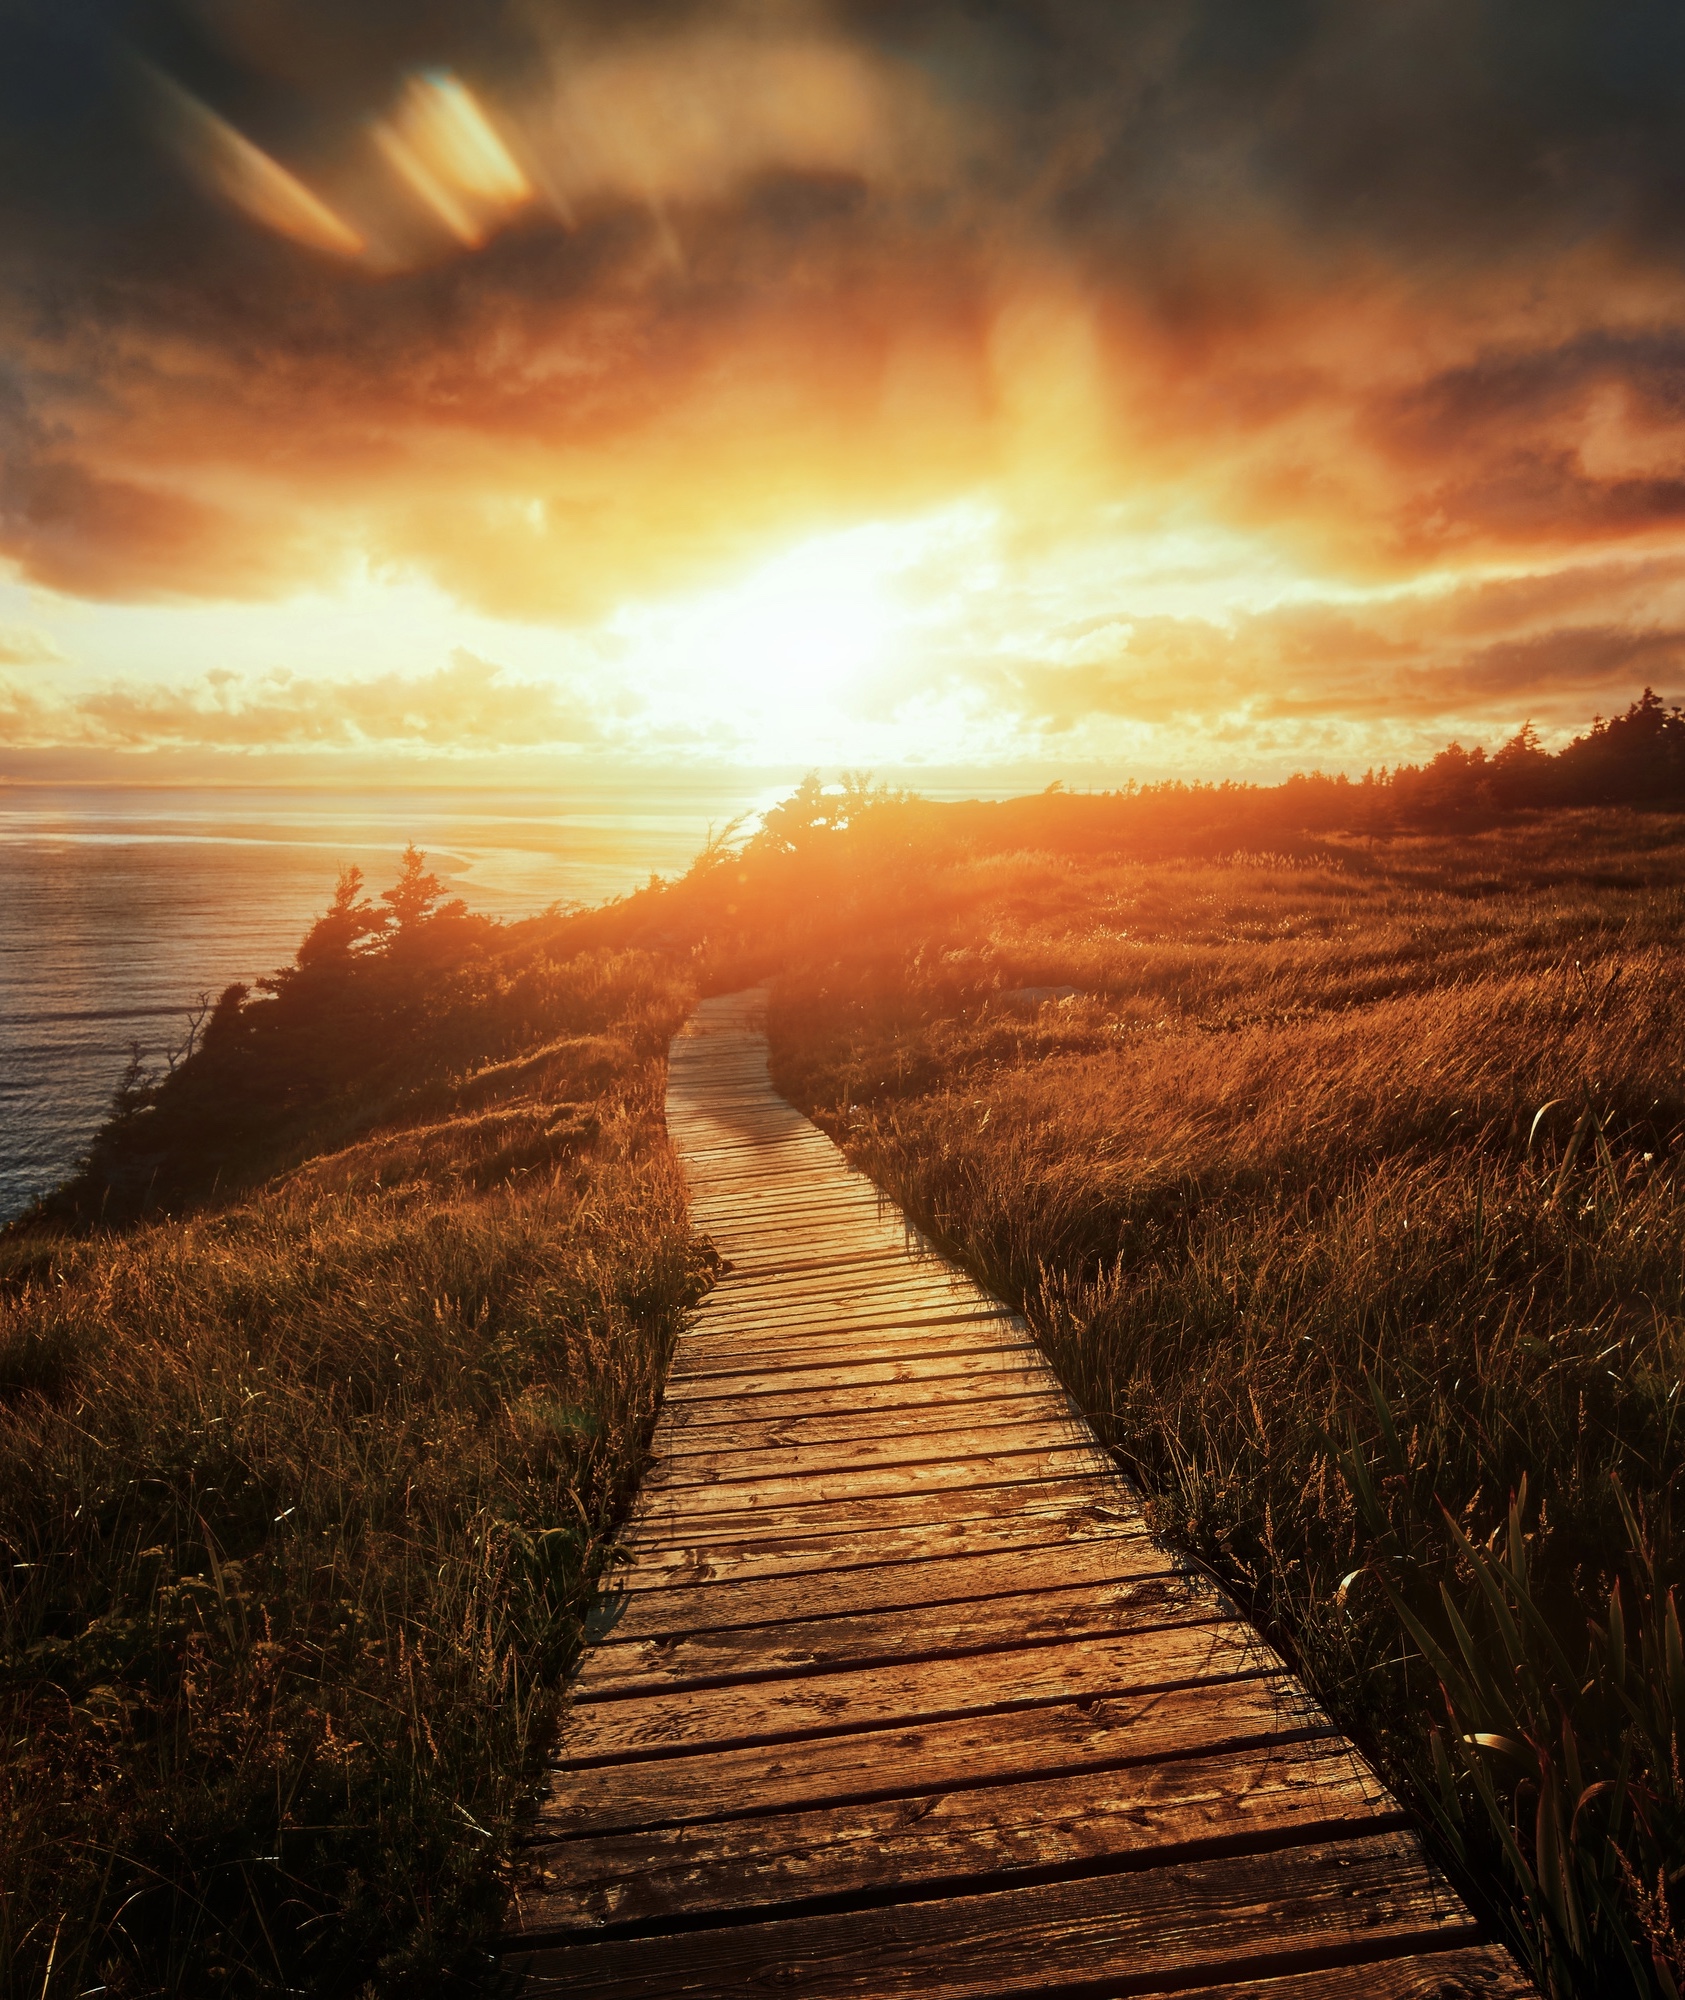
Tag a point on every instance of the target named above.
point(379, 992)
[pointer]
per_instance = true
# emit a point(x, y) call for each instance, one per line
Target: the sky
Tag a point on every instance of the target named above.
point(1119, 387)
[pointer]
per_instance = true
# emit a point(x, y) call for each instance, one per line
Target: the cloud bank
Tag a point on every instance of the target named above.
point(469, 705)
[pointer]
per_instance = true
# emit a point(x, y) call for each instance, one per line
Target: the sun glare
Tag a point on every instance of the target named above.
point(799, 629)
point(784, 654)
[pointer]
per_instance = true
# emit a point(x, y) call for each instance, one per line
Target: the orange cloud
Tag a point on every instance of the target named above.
point(1480, 657)
point(469, 705)
point(610, 306)
point(21, 646)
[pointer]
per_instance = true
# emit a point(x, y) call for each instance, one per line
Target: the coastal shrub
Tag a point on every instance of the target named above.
point(382, 1019)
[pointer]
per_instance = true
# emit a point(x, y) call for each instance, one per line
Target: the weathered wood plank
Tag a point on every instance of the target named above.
point(783, 1202)
point(762, 1196)
point(742, 1504)
point(689, 1422)
point(764, 1279)
point(626, 1614)
point(748, 1191)
point(837, 1334)
point(734, 1121)
point(792, 1178)
point(1192, 1918)
point(803, 1646)
point(880, 1316)
point(720, 1189)
point(1250, 1798)
point(1465, 1973)
point(718, 1155)
point(854, 1227)
point(1006, 1499)
point(853, 1542)
point(1468, 1972)
point(909, 1338)
point(691, 1430)
point(935, 1344)
point(766, 1271)
point(891, 1697)
point(774, 1391)
point(1067, 1738)
point(803, 1231)
point(839, 1337)
point(881, 1312)
point(798, 1209)
point(798, 1304)
point(768, 1465)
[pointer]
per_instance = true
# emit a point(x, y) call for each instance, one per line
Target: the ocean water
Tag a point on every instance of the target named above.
point(120, 908)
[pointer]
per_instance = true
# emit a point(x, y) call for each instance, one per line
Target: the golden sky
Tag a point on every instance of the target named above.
point(1127, 388)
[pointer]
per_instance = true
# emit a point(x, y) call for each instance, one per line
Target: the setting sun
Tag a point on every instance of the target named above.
point(788, 651)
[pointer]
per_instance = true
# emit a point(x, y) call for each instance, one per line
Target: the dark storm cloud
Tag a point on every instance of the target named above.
point(1425, 126)
point(1425, 129)
point(1432, 126)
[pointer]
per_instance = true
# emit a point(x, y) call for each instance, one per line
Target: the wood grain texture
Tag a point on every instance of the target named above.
point(745, 1394)
point(702, 1608)
point(1477, 1972)
point(1088, 1734)
point(985, 1490)
point(767, 1465)
point(696, 1428)
point(880, 1697)
point(1192, 1919)
point(1071, 1517)
point(890, 1689)
point(1257, 1796)
point(909, 1340)
point(1067, 1613)
point(699, 1372)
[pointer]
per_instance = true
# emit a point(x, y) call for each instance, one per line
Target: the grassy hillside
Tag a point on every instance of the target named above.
point(1345, 1185)
point(320, 1393)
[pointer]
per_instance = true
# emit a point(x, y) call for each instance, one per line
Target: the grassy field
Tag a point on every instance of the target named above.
point(1345, 1186)
point(309, 1459)
point(1342, 1175)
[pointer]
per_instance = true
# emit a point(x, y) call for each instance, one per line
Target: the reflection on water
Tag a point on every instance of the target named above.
point(118, 909)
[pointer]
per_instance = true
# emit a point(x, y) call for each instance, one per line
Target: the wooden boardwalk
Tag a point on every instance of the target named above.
point(898, 1695)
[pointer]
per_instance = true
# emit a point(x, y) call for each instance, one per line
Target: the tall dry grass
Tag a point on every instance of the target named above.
point(302, 1499)
point(1346, 1193)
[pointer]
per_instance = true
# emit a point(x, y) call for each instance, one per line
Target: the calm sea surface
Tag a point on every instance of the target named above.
point(118, 909)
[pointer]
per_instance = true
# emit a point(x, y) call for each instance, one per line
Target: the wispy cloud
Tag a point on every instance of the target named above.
point(21, 646)
point(469, 705)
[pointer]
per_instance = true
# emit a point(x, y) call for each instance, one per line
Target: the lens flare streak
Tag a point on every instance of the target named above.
point(229, 165)
point(446, 150)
